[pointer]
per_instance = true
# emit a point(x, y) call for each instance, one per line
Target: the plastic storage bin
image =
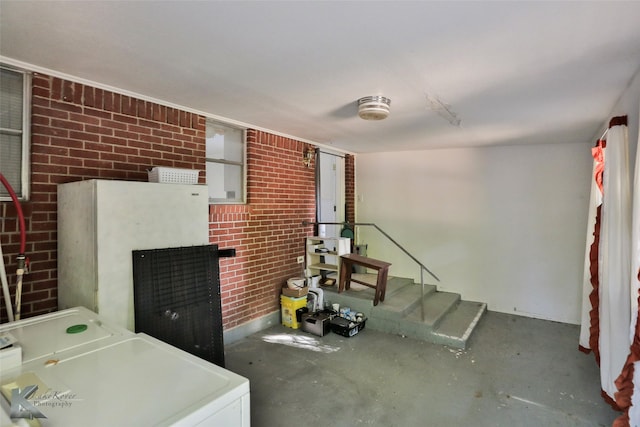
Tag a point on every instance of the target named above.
point(289, 306)
point(173, 175)
point(345, 327)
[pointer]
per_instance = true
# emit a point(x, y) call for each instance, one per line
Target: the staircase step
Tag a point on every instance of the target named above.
point(448, 320)
point(402, 302)
point(397, 284)
point(360, 298)
point(456, 328)
point(394, 285)
point(436, 306)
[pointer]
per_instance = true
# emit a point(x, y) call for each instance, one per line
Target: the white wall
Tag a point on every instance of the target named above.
point(503, 225)
point(629, 104)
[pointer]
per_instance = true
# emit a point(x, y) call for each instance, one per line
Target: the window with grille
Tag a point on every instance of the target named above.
point(226, 148)
point(15, 113)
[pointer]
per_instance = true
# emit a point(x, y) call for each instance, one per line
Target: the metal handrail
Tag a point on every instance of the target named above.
point(423, 268)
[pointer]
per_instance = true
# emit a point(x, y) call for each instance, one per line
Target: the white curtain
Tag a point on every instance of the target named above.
point(614, 260)
point(607, 298)
point(628, 397)
point(634, 411)
point(595, 200)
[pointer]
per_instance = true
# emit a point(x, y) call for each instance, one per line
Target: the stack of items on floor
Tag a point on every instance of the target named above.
point(303, 307)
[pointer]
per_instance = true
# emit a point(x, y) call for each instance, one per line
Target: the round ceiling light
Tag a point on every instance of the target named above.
point(373, 107)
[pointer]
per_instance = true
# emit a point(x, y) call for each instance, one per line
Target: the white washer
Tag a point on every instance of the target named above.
point(106, 376)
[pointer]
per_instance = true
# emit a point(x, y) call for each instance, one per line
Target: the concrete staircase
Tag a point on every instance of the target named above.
point(448, 320)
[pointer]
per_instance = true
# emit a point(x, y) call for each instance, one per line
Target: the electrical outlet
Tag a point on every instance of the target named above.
point(300, 259)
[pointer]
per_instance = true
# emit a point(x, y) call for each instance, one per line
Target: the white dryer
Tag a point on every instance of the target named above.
point(90, 373)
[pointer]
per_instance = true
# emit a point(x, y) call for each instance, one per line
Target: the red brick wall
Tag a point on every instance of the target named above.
point(350, 188)
point(267, 232)
point(80, 132)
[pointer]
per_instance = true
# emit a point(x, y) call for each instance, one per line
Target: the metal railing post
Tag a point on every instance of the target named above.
point(422, 293)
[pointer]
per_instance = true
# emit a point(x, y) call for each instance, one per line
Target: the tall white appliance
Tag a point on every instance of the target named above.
point(100, 223)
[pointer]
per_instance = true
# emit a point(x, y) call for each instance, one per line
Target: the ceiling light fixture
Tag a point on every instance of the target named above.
point(373, 107)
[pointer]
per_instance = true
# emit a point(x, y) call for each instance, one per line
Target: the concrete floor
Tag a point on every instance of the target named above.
point(515, 372)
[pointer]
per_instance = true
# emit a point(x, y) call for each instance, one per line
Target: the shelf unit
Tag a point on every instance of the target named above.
point(327, 262)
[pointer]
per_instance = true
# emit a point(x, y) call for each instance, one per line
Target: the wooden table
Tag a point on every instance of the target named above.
point(349, 260)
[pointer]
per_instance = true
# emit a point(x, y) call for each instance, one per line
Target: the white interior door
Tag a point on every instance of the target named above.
point(330, 193)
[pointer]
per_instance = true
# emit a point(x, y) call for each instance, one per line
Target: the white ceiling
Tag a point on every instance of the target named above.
point(512, 72)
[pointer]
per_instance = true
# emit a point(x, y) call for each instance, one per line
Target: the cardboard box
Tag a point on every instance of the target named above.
point(295, 293)
point(316, 323)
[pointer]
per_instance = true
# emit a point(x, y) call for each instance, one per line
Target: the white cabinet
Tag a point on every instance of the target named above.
point(322, 254)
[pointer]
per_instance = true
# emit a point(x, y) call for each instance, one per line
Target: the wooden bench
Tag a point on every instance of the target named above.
point(346, 267)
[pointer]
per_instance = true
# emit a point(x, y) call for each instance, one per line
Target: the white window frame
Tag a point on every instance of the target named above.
point(242, 164)
point(22, 190)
